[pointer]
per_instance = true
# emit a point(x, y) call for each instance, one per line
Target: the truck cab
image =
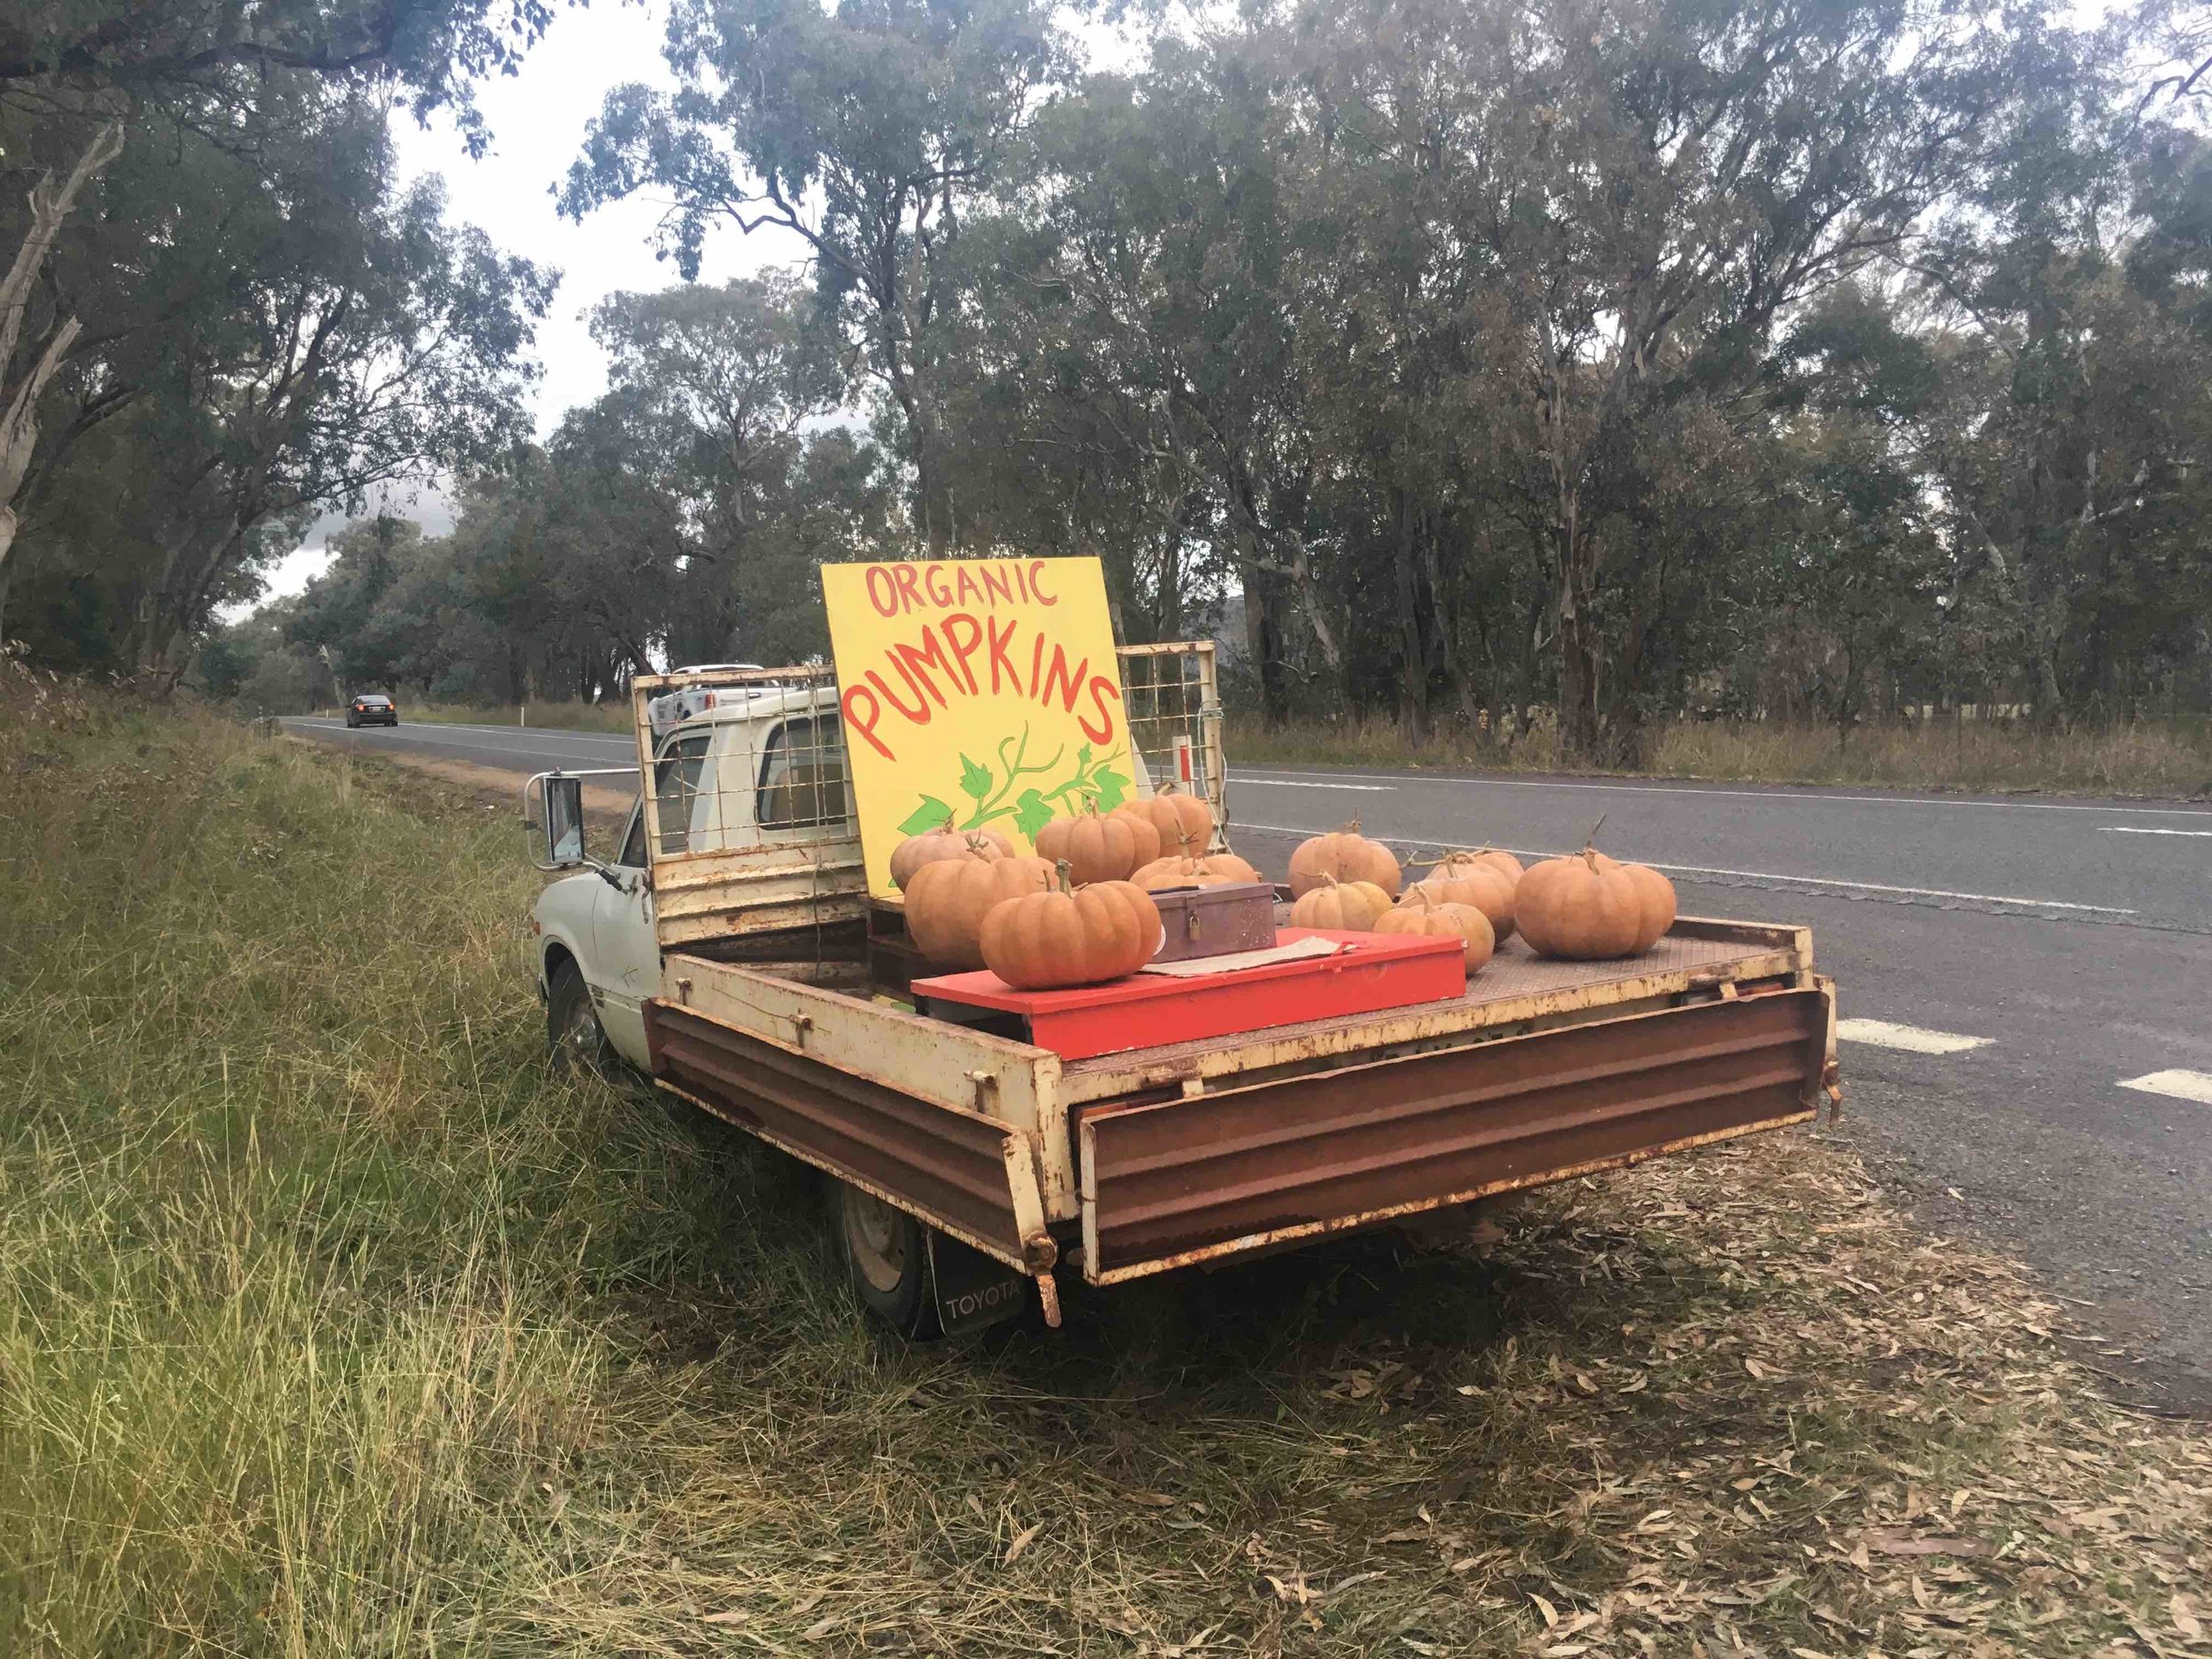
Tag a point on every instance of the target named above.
point(755, 772)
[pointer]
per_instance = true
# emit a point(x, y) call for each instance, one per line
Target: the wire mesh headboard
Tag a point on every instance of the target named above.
point(1174, 713)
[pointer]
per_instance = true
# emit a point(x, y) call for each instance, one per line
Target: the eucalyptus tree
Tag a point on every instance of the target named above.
point(866, 131)
point(187, 90)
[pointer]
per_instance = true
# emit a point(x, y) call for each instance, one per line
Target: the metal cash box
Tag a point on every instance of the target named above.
point(1215, 921)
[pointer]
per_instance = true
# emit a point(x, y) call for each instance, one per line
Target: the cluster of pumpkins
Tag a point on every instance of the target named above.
point(1583, 908)
point(1078, 912)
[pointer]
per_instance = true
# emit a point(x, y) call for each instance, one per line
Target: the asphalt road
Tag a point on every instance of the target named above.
point(2070, 940)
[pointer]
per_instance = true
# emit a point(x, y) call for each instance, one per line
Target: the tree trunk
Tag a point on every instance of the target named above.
point(50, 206)
point(1263, 642)
point(1413, 664)
point(1581, 643)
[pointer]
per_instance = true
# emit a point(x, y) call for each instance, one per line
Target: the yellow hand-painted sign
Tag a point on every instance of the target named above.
point(984, 693)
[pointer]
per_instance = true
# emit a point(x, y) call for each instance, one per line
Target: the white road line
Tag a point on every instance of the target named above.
point(2137, 829)
point(1884, 887)
point(1302, 783)
point(450, 743)
point(1764, 875)
point(2192, 1086)
point(1780, 791)
point(1912, 1039)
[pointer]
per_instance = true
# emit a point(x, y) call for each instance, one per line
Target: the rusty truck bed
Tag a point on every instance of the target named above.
point(1155, 1158)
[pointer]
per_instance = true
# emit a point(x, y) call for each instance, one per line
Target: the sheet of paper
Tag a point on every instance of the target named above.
point(1198, 967)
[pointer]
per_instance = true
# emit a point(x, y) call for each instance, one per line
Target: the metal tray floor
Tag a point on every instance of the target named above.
point(1514, 972)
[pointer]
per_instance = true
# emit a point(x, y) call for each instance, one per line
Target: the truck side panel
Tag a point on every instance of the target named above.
point(967, 1174)
point(884, 1042)
point(1216, 1174)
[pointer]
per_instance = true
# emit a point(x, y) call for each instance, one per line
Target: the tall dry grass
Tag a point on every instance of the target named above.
point(2147, 759)
point(332, 1324)
point(302, 1255)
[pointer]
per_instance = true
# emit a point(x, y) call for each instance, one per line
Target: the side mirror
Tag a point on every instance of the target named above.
point(564, 822)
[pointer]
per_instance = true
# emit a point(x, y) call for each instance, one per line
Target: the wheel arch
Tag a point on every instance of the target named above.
point(558, 953)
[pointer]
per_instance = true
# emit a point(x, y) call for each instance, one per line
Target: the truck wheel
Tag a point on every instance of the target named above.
point(886, 1254)
point(572, 1028)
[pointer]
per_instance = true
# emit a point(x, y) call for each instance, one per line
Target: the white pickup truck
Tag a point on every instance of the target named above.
point(728, 949)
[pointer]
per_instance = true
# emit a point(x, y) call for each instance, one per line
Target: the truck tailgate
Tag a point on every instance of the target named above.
point(1165, 1184)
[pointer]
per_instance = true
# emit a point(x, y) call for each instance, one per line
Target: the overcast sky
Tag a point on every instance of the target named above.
point(537, 119)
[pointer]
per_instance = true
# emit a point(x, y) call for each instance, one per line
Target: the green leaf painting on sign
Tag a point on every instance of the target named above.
point(1030, 814)
point(931, 813)
point(1000, 792)
point(975, 782)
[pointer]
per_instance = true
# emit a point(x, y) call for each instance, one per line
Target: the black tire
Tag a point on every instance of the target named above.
point(885, 1253)
point(571, 1026)
point(353, 725)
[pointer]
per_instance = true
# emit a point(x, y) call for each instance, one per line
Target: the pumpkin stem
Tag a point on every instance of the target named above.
point(1591, 839)
point(1444, 860)
point(1065, 870)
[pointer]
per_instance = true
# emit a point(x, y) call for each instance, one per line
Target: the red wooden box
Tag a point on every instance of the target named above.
point(1147, 1010)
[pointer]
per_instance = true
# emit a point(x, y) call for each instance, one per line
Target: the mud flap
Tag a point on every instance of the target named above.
point(972, 1290)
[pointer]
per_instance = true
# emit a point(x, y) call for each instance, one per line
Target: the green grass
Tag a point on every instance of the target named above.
point(331, 1323)
point(2149, 759)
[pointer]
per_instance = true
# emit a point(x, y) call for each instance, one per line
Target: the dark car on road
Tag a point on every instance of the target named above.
point(372, 708)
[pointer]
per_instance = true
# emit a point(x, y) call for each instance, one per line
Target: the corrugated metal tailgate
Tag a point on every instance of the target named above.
point(1168, 1184)
point(970, 1175)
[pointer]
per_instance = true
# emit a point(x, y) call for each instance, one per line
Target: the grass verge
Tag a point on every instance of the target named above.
point(2160, 760)
point(331, 1323)
point(557, 716)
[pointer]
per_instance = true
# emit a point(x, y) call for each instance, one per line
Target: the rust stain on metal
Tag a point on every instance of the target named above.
point(1165, 1184)
point(1516, 993)
point(955, 1169)
point(1300, 1233)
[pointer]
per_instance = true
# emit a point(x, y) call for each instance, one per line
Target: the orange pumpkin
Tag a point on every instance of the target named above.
point(945, 903)
point(1421, 914)
point(1185, 822)
point(1097, 848)
point(1105, 930)
point(1149, 846)
point(1215, 870)
point(1496, 858)
point(1589, 907)
point(944, 842)
point(1340, 907)
point(1346, 854)
point(1481, 885)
